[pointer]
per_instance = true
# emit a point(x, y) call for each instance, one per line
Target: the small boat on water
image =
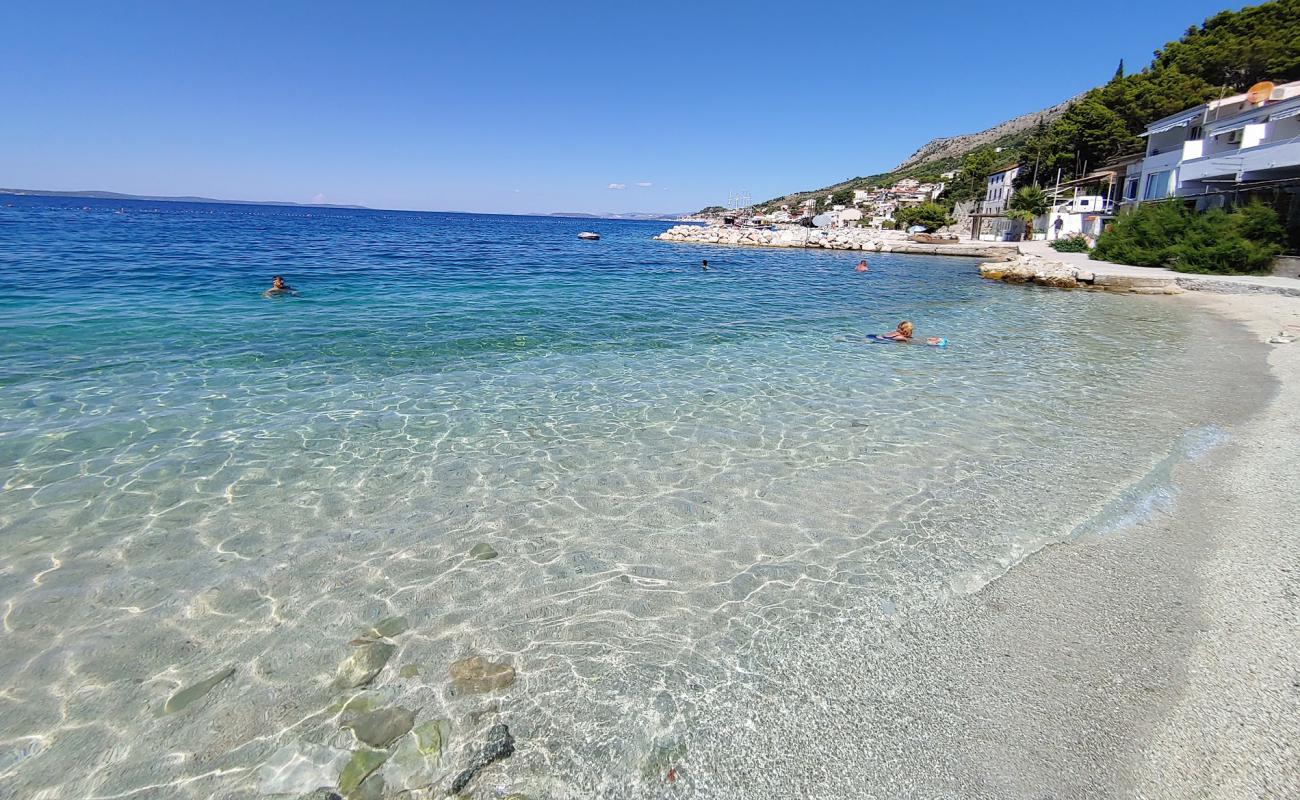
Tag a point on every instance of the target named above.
point(589, 236)
point(929, 238)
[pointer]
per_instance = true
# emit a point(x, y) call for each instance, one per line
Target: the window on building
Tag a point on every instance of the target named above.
point(1131, 189)
point(1195, 133)
point(1157, 186)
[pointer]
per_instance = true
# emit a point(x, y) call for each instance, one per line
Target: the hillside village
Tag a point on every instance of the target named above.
point(1068, 174)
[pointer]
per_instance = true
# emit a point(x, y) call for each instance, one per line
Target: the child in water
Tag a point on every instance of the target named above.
point(903, 333)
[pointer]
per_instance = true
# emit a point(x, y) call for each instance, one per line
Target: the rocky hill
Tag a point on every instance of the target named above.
point(956, 146)
point(939, 155)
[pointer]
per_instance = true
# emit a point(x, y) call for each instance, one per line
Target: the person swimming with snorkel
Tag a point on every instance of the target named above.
point(903, 333)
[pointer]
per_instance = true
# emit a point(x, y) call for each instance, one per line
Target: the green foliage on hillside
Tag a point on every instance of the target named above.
point(1169, 235)
point(1228, 53)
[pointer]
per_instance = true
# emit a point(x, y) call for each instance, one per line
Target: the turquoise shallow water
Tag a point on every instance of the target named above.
point(668, 462)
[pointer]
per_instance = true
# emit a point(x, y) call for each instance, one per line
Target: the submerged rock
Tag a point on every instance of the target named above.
point(662, 759)
point(483, 551)
point(432, 738)
point(372, 788)
point(500, 744)
point(388, 627)
point(477, 675)
point(364, 664)
point(301, 768)
point(381, 728)
point(323, 793)
point(359, 767)
point(409, 671)
point(418, 758)
point(191, 693)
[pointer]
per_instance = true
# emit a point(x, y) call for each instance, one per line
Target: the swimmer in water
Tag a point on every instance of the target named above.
point(903, 333)
point(279, 288)
point(862, 266)
point(704, 265)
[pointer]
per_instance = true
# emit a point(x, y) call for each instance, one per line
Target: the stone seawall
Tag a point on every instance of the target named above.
point(830, 239)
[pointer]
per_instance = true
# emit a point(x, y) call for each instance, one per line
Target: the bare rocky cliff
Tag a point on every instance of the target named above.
point(951, 146)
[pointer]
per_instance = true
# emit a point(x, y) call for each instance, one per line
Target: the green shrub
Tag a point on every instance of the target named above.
point(1071, 244)
point(1216, 241)
point(1145, 236)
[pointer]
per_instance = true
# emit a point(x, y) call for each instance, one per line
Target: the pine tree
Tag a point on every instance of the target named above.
point(1119, 71)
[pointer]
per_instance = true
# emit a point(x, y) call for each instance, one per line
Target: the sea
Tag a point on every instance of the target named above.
point(607, 472)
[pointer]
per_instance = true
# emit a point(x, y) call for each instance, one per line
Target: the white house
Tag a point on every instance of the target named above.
point(1001, 185)
point(997, 193)
point(850, 216)
point(1223, 143)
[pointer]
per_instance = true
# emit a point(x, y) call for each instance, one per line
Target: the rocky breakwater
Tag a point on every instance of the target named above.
point(1034, 269)
point(864, 239)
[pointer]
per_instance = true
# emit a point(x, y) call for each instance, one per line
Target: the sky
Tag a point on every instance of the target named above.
point(530, 107)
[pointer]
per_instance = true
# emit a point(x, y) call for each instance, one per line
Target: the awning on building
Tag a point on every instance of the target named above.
point(1232, 126)
point(1285, 113)
point(1169, 126)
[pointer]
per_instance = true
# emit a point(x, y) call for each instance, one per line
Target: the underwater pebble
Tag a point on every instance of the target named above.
point(381, 728)
point(359, 767)
point(500, 744)
point(418, 758)
point(388, 627)
point(483, 551)
point(477, 675)
point(364, 664)
point(191, 693)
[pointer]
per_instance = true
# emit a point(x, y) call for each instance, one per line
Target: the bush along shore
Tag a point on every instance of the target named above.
point(830, 239)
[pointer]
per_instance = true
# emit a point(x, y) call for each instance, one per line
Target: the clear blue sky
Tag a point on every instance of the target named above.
point(538, 106)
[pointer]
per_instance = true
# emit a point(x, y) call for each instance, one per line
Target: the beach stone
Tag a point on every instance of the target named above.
point(301, 768)
point(381, 728)
point(358, 768)
point(361, 702)
point(388, 627)
point(500, 744)
point(477, 675)
point(483, 551)
point(364, 664)
point(418, 758)
point(372, 788)
point(409, 671)
point(433, 737)
point(189, 694)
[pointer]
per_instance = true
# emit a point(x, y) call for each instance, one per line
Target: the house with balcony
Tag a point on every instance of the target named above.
point(1223, 145)
point(1084, 205)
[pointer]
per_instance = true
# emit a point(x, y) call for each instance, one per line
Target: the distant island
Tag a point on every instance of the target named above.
point(97, 195)
point(611, 215)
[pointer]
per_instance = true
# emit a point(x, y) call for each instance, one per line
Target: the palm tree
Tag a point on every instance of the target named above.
point(1027, 203)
